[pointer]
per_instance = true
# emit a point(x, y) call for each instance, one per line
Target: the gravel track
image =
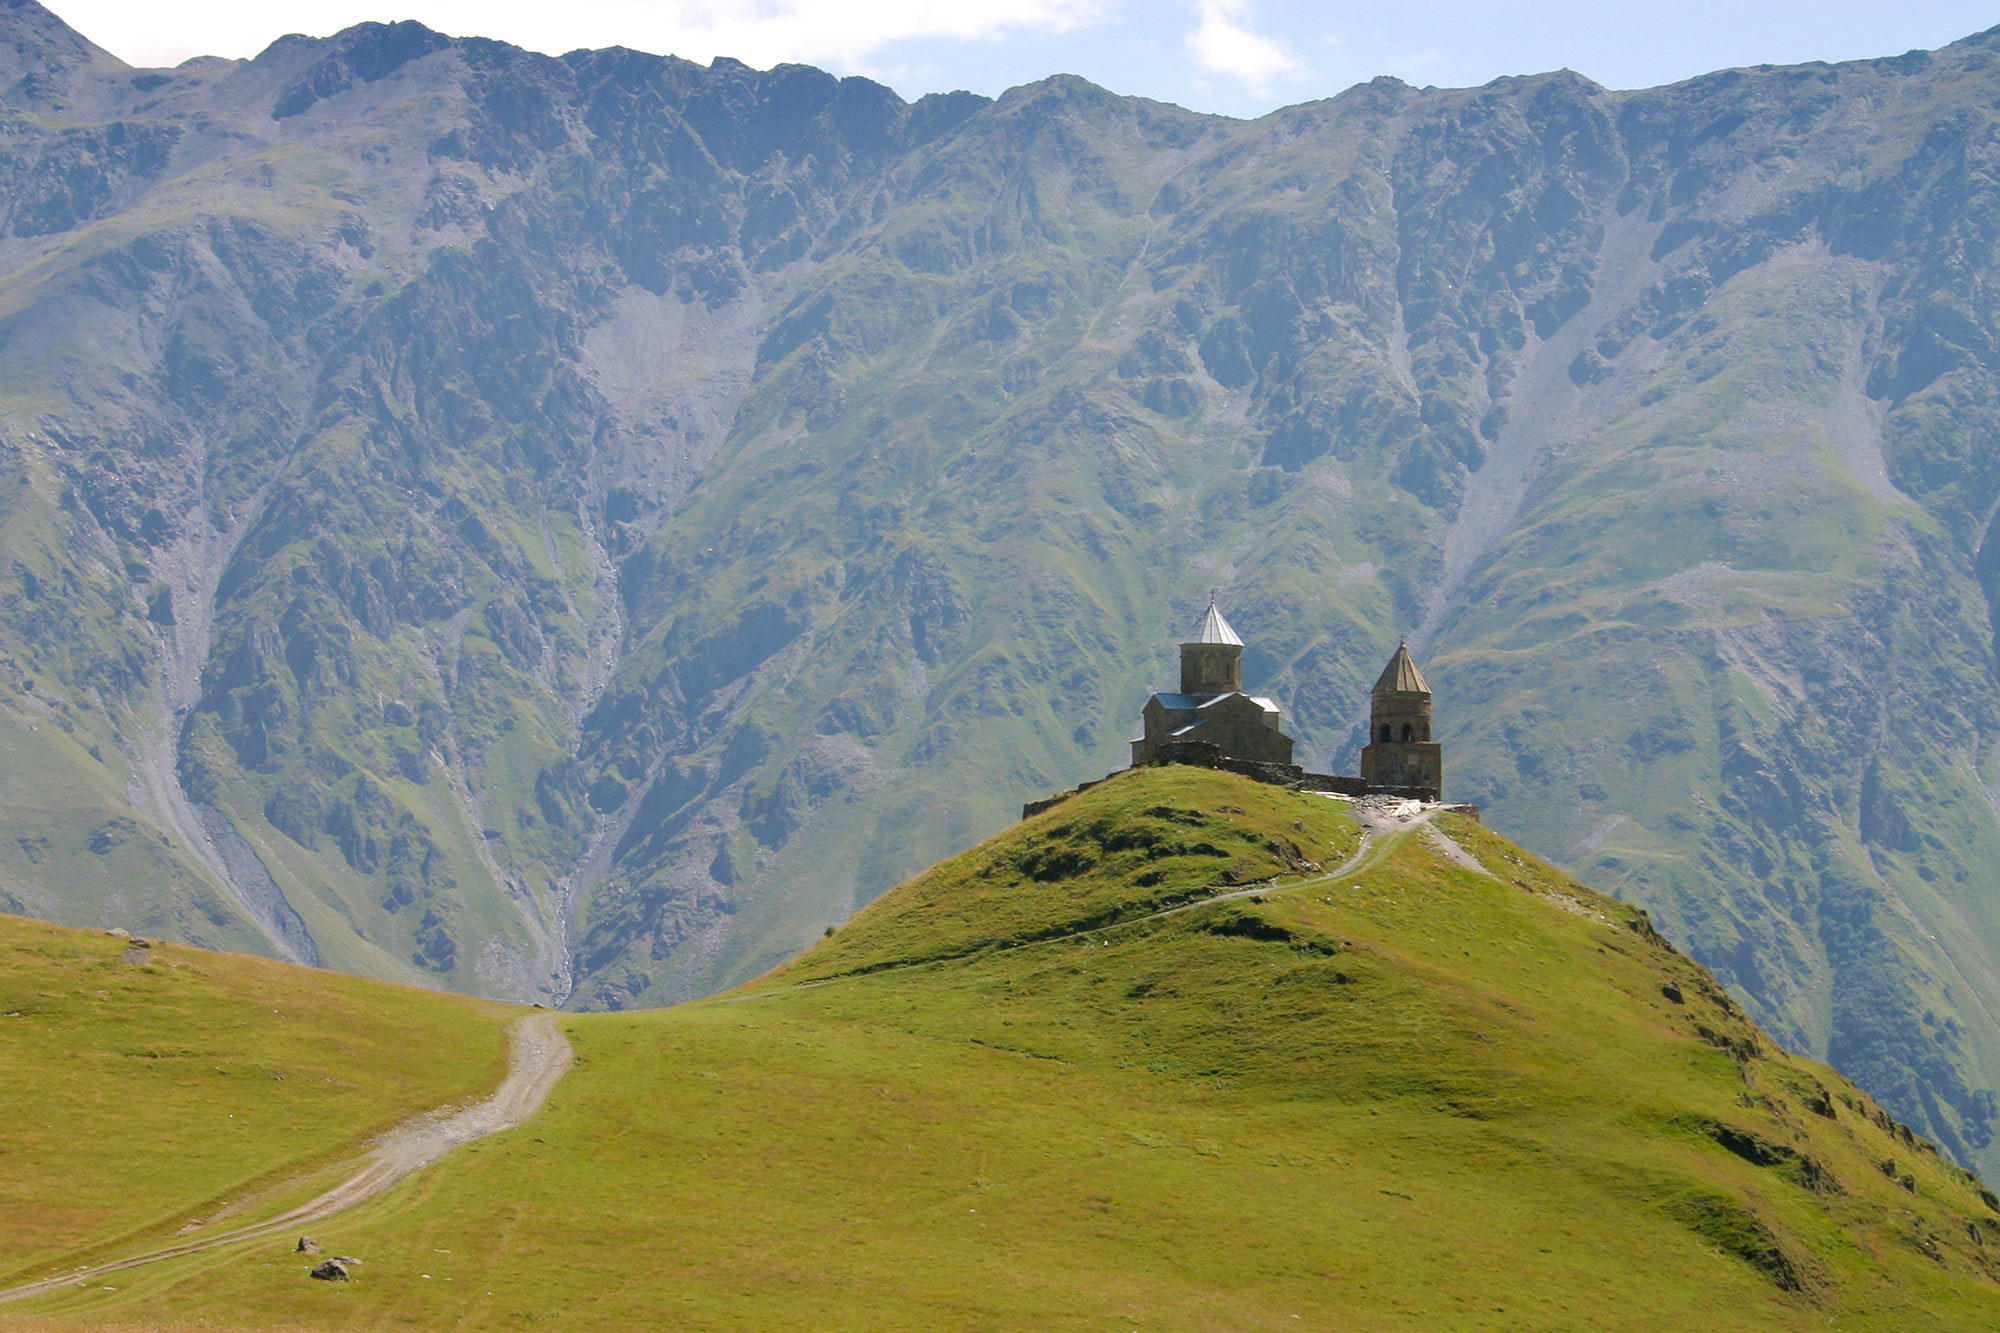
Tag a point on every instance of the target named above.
point(1379, 817)
point(539, 1056)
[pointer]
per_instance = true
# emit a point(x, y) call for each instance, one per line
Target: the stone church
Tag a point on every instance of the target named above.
point(1210, 720)
point(1210, 707)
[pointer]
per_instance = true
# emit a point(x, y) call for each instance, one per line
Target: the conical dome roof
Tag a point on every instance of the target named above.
point(1214, 629)
point(1401, 675)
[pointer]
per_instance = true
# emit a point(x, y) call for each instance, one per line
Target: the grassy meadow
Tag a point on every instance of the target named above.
point(144, 1100)
point(1410, 1096)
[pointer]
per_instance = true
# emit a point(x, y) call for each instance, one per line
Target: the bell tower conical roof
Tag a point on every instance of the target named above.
point(1401, 675)
point(1214, 629)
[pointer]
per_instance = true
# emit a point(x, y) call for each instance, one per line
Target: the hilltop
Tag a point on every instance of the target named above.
point(1061, 1079)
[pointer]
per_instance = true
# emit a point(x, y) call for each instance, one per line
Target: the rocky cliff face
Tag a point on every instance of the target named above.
point(572, 528)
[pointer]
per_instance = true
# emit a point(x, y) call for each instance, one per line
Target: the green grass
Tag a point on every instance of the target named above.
point(1412, 1096)
point(85, 854)
point(1139, 844)
point(139, 1097)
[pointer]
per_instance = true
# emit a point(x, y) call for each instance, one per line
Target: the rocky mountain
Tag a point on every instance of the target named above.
point(575, 527)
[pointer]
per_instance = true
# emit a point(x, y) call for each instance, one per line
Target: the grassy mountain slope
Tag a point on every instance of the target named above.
point(552, 527)
point(152, 1092)
point(1413, 1095)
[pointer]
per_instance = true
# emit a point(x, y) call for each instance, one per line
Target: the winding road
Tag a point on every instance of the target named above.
point(539, 1055)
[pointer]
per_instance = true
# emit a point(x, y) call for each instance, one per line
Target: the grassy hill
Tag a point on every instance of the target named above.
point(151, 1092)
point(1008, 1094)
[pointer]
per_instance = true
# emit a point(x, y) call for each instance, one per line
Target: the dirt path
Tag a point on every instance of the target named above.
point(539, 1057)
point(1378, 816)
point(1377, 819)
point(1444, 844)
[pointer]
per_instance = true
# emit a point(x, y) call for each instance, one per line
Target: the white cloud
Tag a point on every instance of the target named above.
point(1223, 42)
point(839, 34)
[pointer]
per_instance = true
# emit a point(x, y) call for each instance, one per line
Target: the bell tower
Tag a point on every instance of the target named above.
point(1212, 660)
point(1400, 751)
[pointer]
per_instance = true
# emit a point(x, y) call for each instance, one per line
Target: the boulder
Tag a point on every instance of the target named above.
point(331, 1271)
point(307, 1245)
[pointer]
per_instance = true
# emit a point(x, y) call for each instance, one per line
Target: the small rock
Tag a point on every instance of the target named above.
point(331, 1271)
point(1672, 992)
point(307, 1245)
point(119, 933)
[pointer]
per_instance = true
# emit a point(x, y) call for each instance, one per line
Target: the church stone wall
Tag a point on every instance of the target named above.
point(1244, 733)
point(1417, 765)
point(1211, 668)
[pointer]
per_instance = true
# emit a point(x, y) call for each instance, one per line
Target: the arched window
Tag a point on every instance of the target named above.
point(1385, 733)
point(1407, 733)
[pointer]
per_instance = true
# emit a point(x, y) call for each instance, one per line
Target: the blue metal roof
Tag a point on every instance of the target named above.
point(1182, 703)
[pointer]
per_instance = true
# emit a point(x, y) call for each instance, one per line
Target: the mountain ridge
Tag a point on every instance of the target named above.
point(553, 525)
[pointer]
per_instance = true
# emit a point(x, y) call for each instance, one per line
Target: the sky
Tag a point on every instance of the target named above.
point(1235, 57)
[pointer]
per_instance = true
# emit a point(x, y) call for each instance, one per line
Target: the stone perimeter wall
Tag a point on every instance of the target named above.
point(1200, 754)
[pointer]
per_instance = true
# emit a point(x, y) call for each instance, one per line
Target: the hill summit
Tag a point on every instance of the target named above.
point(1183, 1051)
